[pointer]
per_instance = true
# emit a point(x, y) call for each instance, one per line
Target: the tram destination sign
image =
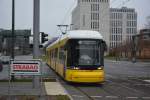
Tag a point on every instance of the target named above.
point(25, 67)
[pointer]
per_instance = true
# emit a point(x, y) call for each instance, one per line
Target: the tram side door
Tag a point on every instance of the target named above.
point(65, 63)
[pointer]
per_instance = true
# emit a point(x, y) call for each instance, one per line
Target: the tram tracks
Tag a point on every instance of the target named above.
point(139, 82)
point(98, 96)
point(85, 94)
point(136, 93)
point(133, 85)
point(111, 90)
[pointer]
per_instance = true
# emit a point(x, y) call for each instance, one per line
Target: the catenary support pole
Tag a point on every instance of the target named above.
point(36, 31)
point(13, 33)
point(13, 28)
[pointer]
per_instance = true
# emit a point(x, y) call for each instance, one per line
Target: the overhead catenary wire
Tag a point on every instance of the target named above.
point(106, 13)
point(120, 5)
point(103, 13)
point(68, 12)
point(113, 1)
point(67, 15)
point(123, 3)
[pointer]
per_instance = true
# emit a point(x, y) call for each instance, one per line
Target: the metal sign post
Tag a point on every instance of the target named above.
point(25, 67)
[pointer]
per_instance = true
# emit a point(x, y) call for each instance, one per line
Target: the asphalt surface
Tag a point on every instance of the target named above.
point(4, 73)
point(127, 69)
point(124, 81)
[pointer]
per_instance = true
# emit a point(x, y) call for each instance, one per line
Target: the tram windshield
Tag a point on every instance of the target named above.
point(85, 52)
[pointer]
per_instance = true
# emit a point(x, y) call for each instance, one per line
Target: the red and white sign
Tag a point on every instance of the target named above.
point(31, 67)
point(25, 67)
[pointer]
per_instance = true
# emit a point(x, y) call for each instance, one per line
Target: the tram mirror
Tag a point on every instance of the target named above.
point(66, 46)
point(104, 45)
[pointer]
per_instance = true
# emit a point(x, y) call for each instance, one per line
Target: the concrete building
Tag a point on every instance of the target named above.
point(123, 25)
point(21, 42)
point(92, 15)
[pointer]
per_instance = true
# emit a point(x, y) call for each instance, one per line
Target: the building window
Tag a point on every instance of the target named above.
point(94, 7)
point(128, 30)
point(94, 25)
point(83, 20)
point(131, 16)
point(94, 16)
point(134, 30)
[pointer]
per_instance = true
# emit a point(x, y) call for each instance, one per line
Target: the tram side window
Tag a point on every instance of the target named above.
point(46, 54)
point(49, 53)
point(55, 54)
point(62, 55)
point(69, 53)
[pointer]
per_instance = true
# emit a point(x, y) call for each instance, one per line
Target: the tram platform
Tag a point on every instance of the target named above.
point(17, 90)
point(22, 89)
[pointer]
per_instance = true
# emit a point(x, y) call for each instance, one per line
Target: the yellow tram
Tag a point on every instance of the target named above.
point(78, 56)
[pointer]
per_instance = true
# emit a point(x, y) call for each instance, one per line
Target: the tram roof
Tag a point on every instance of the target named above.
point(84, 34)
point(79, 34)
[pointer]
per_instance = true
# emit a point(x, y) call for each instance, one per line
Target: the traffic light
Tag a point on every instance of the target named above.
point(2, 38)
point(44, 37)
point(31, 46)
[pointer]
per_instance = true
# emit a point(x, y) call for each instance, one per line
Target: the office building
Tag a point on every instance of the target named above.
point(92, 15)
point(123, 25)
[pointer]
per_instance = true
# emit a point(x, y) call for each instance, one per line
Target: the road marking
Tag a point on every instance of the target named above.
point(146, 97)
point(80, 96)
point(108, 75)
point(147, 81)
point(132, 97)
point(142, 84)
point(114, 61)
point(111, 96)
point(96, 96)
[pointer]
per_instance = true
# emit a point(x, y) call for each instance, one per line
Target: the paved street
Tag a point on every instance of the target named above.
point(124, 81)
point(4, 73)
point(127, 69)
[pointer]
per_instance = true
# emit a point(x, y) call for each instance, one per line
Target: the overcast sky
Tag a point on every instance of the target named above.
point(54, 12)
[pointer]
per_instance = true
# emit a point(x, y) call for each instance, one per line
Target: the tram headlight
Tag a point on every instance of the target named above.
point(76, 68)
point(99, 68)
